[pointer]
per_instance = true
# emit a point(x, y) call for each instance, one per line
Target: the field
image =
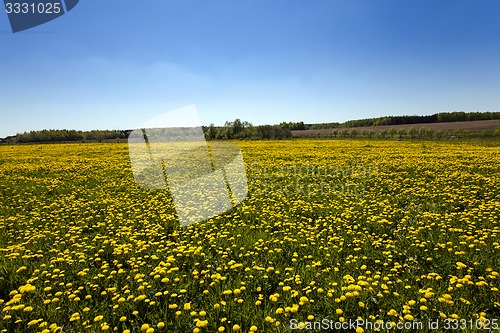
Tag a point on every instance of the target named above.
point(478, 125)
point(387, 231)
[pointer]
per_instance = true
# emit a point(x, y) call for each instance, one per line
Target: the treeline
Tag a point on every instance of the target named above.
point(410, 133)
point(66, 135)
point(293, 126)
point(405, 120)
point(238, 129)
point(231, 130)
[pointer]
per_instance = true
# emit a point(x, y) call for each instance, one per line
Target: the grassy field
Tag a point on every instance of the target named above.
point(478, 125)
point(395, 232)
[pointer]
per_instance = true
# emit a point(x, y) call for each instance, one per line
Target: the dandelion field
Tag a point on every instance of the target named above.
point(381, 230)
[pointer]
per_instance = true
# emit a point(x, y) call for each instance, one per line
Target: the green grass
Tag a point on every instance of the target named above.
point(74, 225)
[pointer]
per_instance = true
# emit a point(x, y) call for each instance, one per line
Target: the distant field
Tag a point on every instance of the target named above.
point(388, 231)
point(450, 126)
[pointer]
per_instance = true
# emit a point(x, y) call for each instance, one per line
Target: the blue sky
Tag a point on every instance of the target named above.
point(115, 64)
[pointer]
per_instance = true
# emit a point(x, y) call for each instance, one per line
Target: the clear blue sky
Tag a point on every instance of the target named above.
point(114, 64)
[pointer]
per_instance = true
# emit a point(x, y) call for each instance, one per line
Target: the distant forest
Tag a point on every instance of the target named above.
point(238, 129)
point(405, 120)
point(65, 135)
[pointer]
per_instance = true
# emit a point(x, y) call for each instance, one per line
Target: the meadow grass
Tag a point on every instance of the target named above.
point(380, 230)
